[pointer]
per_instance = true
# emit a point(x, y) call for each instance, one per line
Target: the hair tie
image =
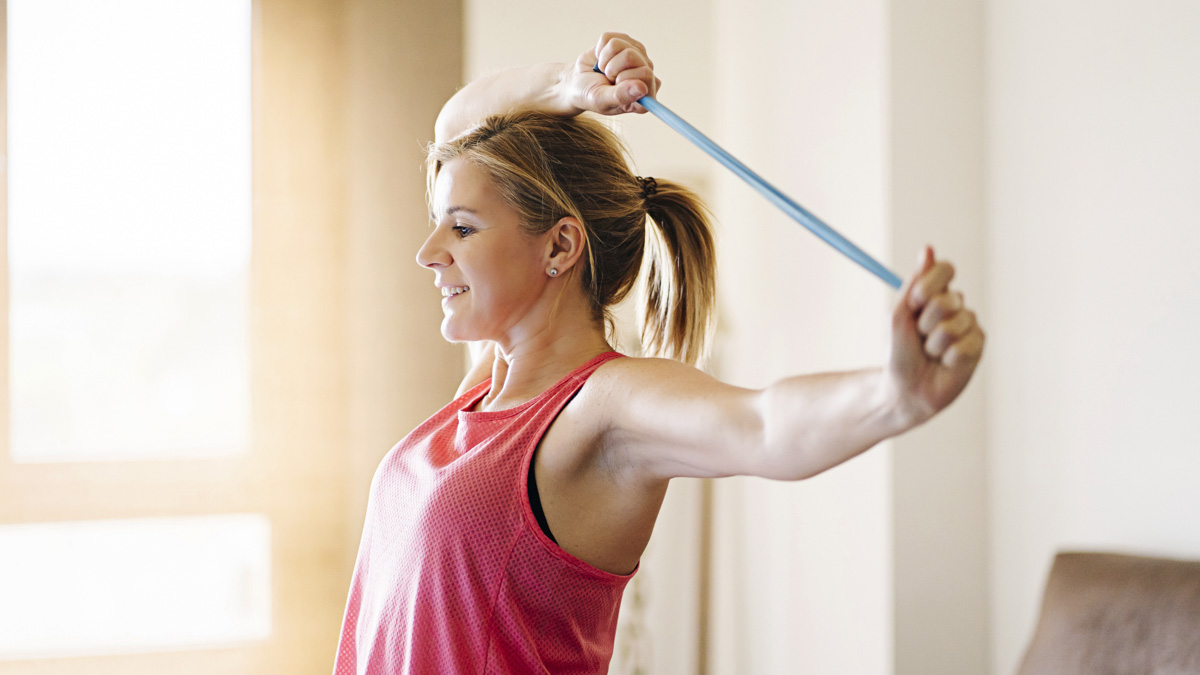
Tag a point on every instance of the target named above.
point(649, 187)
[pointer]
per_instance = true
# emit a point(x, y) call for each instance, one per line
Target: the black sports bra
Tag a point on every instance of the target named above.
point(536, 502)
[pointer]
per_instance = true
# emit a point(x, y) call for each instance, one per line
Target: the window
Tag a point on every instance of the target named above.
point(111, 586)
point(129, 228)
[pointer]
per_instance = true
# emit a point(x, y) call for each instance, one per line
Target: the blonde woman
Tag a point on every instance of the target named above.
point(501, 532)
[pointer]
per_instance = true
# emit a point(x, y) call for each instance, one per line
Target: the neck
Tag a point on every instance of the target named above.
point(525, 368)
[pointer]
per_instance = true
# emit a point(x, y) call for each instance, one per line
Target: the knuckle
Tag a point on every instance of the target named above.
point(952, 355)
point(963, 326)
point(938, 338)
point(931, 348)
point(918, 294)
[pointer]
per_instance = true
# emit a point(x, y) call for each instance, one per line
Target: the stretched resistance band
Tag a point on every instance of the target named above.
point(785, 203)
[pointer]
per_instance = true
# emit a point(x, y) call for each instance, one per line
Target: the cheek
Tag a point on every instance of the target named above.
point(512, 275)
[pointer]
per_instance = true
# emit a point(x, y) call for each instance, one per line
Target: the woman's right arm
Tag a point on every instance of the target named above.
point(558, 88)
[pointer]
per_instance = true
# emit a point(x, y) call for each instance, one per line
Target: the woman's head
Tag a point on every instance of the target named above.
point(551, 172)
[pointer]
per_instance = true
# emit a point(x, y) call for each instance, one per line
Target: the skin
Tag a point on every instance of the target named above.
point(604, 464)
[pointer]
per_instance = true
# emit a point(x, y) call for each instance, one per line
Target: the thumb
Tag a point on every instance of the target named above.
point(630, 91)
point(608, 97)
point(905, 308)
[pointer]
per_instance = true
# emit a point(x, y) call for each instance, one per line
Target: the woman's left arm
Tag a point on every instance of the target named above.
point(670, 420)
point(558, 88)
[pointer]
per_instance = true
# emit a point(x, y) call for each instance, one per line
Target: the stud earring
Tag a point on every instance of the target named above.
point(553, 272)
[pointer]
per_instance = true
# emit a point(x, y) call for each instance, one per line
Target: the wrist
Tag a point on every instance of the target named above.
point(890, 404)
point(558, 97)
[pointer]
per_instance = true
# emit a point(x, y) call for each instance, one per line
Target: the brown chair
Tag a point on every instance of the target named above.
point(1105, 613)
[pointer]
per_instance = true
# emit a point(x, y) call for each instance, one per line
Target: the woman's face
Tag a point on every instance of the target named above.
point(477, 244)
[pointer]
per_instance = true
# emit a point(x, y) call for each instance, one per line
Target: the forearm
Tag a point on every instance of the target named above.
point(812, 423)
point(538, 87)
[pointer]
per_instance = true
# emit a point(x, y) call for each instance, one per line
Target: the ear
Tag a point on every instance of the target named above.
point(565, 243)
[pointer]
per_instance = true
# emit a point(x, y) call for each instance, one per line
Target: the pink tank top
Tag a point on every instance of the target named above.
point(454, 575)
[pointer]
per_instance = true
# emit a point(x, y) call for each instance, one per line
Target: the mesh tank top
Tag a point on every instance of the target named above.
point(454, 573)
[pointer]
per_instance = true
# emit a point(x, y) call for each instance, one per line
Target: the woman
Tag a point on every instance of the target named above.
point(501, 532)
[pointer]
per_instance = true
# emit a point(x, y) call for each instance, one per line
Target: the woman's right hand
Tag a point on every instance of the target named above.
point(628, 76)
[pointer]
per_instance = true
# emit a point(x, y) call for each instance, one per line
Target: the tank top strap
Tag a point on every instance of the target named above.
point(572, 382)
point(550, 399)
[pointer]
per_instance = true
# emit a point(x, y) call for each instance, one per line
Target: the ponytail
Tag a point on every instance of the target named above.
point(680, 285)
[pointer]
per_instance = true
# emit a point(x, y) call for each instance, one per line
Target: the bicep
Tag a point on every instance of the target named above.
point(670, 420)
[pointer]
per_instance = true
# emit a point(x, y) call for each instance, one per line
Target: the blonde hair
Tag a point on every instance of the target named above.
point(547, 167)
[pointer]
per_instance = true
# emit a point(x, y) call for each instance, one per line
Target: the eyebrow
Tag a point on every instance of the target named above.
point(452, 210)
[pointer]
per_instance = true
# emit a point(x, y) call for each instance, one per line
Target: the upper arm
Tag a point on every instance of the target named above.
point(666, 419)
point(534, 86)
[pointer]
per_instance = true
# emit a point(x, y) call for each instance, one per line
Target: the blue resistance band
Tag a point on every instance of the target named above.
point(785, 203)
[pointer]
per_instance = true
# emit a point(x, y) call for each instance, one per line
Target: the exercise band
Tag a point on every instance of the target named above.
point(785, 203)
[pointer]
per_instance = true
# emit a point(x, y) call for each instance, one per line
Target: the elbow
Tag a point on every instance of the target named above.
point(441, 129)
point(782, 464)
point(776, 453)
point(780, 449)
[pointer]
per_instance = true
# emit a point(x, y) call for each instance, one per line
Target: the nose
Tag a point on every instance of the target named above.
point(432, 253)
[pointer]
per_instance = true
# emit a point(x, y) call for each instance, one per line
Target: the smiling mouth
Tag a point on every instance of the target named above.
point(452, 291)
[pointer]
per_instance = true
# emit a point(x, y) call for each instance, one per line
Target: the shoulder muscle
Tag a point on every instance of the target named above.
point(666, 419)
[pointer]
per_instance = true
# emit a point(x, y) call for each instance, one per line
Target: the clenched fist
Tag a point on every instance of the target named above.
point(936, 343)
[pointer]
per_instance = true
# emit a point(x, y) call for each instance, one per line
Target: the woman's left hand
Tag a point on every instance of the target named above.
point(936, 344)
point(627, 75)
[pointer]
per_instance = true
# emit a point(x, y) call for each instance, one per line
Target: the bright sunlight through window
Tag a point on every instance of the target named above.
point(148, 584)
point(129, 228)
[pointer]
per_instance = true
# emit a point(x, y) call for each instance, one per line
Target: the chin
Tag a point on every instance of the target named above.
point(456, 333)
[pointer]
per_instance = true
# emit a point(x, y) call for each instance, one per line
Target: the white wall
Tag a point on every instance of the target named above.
point(1093, 234)
point(802, 570)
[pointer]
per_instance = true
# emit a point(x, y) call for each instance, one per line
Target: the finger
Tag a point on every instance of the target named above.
point(905, 308)
point(966, 352)
point(586, 60)
point(609, 36)
point(609, 51)
point(657, 87)
point(643, 75)
point(933, 282)
point(939, 309)
point(949, 332)
point(613, 63)
point(629, 60)
point(608, 99)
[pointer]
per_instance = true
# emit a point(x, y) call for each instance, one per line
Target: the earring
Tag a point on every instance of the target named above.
point(553, 272)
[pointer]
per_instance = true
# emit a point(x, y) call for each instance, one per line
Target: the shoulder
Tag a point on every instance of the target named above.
point(633, 370)
point(639, 395)
point(668, 419)
point(632, 374)
point(615, 381)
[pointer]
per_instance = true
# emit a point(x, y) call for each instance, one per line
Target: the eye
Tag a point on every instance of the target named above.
point(462, 231)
